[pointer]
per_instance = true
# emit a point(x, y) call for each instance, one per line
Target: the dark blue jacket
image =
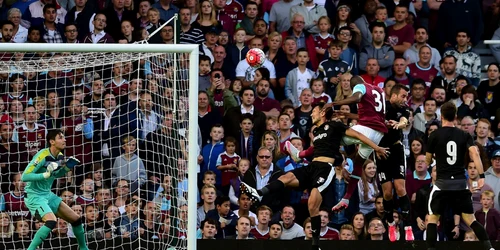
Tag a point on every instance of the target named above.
point(454, 16)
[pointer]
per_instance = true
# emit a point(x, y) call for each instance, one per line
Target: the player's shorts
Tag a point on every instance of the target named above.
point(460, 201)
point(40, 205)
point(394, 167)
point(364, 150)
point(315, 175)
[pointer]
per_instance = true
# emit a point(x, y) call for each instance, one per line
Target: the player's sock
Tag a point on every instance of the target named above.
point(42, 234)
point(431, 234)
point(481, 234)
point(79, 234)
point(273, 187)
point(316, 229)
point(404, 204)
point(388, 209)
point(353, 182)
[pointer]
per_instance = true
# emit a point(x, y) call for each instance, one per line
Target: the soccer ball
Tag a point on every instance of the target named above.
point(255, 58)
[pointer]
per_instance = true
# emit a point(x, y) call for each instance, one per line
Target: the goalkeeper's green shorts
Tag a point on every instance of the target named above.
point(40, 205)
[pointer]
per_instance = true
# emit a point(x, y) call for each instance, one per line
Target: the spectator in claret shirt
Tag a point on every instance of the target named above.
point(326, 232)
point(13, 156)
point(400, 35)
point(99, 35)
point(87, 192)
point(118, 84)
point(268, 106)
point(262, 229)
point(423, 68)
point(13, 201)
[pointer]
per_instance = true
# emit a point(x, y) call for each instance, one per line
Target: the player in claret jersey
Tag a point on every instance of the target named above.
point(371, 123)
point(449, 146)
point(318, 175)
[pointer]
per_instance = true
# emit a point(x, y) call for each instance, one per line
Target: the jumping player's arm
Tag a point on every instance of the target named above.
point(381, 152)
point(476, 158)
point(357, 93)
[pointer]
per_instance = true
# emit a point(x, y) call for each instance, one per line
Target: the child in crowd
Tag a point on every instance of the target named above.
point(381, 16)
point(234, 189)
point(204, 73)
point(226, 219)
point(318, 90)
point(211, 151)
point(129, 166)
point(489, 216)
point(323, 38)
point(227, 163)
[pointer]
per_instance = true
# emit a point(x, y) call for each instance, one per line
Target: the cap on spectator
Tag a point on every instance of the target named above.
point(496, 154)
point(6, 119)
point(344, 6)
point(214, 31)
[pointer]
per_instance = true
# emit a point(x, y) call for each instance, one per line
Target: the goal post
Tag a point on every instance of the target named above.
point(177, 53)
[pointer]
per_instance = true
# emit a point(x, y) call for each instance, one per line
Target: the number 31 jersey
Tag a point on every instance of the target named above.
point(371, 108)
point(450, 145)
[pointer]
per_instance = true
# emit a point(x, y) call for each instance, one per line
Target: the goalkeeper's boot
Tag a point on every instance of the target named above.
point(293, 151)
point(251, 192)
point(343, 204)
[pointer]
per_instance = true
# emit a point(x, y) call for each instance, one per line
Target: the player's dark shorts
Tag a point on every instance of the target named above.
point(315, 175)
point(394, 167)
point(460, 201)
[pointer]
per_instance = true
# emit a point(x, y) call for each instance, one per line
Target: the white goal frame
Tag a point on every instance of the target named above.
point(193, 50)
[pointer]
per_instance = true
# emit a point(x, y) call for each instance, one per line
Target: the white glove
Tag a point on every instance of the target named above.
point(53, 166)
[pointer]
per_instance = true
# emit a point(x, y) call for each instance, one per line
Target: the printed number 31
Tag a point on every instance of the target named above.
point(379, 101)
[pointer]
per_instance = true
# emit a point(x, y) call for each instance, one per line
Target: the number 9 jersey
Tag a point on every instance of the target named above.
point(371, 108)
point(449, 145)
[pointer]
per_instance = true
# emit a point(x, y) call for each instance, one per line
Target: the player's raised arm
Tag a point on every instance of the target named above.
point(381, 152)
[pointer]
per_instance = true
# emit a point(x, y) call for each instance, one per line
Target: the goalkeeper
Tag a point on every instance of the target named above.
point(47, 165)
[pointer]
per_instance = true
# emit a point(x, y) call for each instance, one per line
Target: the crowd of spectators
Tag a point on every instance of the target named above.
point(129, 133)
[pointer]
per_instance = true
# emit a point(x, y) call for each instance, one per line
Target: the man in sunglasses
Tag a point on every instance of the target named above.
point(318, 175)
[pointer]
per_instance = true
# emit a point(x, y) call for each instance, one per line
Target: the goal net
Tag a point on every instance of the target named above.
point(124, 112)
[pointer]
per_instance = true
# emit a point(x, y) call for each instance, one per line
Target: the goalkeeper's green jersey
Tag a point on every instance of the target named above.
point(33, 174)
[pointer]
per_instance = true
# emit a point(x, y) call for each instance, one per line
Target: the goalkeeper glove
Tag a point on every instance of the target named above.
point(51, 167)
point(71, 162)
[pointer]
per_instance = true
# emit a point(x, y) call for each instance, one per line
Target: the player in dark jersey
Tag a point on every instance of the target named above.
point(318, 175)
point(449, 145)
point(393, 169)
point(371, 123)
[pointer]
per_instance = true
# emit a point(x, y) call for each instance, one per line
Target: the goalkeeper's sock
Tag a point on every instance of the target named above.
point(42, 234)
point(79, 234)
